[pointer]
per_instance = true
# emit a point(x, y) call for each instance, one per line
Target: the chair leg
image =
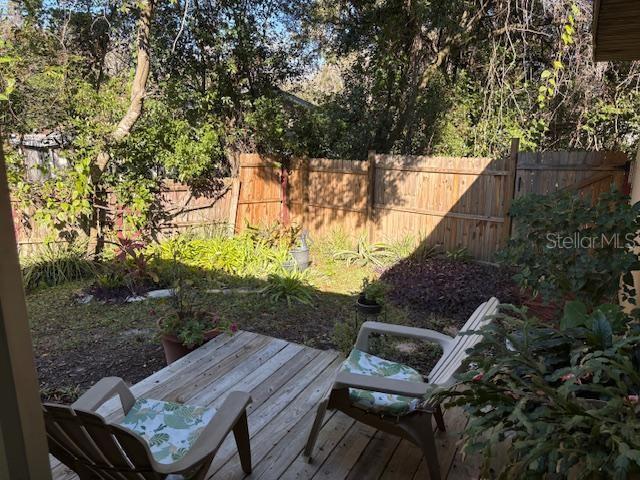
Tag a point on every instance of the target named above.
point(241, 434)
point(423, 437)
point(315, 429)
point(437, 413)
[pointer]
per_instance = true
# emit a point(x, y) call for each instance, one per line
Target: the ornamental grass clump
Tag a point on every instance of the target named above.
point(563, 400)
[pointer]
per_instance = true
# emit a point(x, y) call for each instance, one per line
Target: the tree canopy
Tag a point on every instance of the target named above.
point(312, 77)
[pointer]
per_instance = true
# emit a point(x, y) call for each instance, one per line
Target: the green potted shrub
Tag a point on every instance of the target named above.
point(371, 298)
point(188, 326)
point(565, 398)
point(565, 248)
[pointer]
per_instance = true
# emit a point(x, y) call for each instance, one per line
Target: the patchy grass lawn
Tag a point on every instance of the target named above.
point(77, 344)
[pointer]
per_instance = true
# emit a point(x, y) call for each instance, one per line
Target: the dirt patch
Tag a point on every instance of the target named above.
point(450, 288)
point(64, 376)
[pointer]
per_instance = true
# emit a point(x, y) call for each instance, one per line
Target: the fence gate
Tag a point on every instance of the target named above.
point(588, 173)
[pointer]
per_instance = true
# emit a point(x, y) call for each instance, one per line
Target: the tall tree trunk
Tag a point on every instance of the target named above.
point(134, 111)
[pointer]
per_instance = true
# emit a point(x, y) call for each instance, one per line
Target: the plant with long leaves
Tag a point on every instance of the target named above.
point(291, 287)
point(366, 253)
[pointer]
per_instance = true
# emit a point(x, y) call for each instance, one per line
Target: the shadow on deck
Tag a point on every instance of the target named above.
point(286, 381)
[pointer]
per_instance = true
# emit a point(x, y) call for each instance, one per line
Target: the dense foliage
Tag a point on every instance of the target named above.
point(565, 399)
point(564, 247)
point(414, 77)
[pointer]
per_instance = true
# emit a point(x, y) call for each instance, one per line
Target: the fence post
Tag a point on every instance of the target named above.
point(284, 198)
point(304, 180)
point(235, 197)
point(371, 193)
point(510, 187)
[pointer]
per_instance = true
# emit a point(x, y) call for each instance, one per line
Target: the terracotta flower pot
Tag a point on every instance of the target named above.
point(174, 349)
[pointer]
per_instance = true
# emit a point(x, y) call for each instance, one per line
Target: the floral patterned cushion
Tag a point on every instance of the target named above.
point(384, 403)
point(169, 428)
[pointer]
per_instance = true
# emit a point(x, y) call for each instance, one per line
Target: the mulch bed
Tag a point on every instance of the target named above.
point(448, 288)
point(66, 374)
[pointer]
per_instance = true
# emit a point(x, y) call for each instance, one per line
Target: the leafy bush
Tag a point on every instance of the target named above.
point(240, 255)
point(188, 320)
point(129, 266)
point(373, 291)
point(403, 247)
point(459, 254)
point(566, 248)
point(54, 264)
point(275, 235)
point(291, 287)
point(366, 254)
point(566, 399)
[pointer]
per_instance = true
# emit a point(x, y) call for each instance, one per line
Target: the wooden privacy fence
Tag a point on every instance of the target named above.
point(455, 202)
point(451, 201)
point(588, 173)
point(183, 209)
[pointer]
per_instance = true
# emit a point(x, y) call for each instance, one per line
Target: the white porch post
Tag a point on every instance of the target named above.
point(23, 444)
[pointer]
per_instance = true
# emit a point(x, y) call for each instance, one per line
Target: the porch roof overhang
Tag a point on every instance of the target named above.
point(616, 30)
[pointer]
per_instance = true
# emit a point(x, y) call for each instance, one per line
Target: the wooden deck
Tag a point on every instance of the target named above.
point(286, 382)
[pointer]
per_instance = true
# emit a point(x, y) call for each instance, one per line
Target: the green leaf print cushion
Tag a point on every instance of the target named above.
point(385, 403)
point(169, 428)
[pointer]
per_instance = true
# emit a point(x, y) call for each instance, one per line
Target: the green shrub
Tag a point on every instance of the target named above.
point(275, 235)
point(291, 287)
point(565, 248)
point(53, 264)
point(402, 247)
point(459, 254)
point(566, 398)
point(240, 255)
point(335, 241)
point(373, 291)
point(345, 334)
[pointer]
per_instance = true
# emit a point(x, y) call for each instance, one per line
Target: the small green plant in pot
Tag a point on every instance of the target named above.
point(372, 296)
point(188, 326)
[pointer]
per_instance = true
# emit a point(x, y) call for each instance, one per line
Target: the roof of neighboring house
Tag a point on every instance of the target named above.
point(616, 30)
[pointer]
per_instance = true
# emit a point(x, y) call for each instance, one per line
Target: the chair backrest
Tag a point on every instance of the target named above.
point(442, 373)
point(85, 443)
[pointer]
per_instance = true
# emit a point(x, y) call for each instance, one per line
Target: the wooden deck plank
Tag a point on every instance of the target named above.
point(330, 435)
point(448, 443)
point(273, 420)
point(346, 453)
point(404, 462)
point(374, 459)
point(214, 387)
point(286, 381)
point(177, 373)
point(278, 459)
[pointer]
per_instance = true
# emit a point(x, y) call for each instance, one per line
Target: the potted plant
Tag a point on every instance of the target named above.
point(188, 326)
point(371, 297)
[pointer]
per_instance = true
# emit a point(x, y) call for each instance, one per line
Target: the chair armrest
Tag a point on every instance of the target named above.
point(102, 391)
point(381, 384)
point(209, 441)
point(362, 343)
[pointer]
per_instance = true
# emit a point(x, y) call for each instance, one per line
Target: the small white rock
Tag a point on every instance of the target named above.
point(85, 299)
point(164, 293)
point(135, 298)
